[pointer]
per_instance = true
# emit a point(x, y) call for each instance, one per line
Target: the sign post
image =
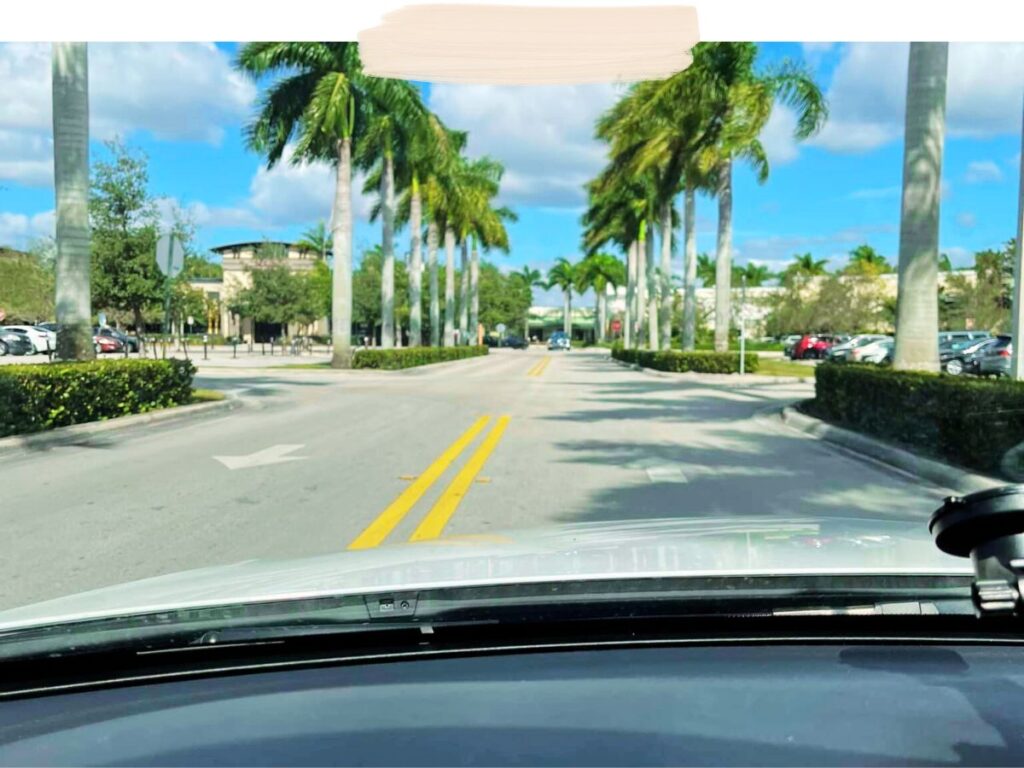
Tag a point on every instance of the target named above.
point(170, 258)
point(743, 323)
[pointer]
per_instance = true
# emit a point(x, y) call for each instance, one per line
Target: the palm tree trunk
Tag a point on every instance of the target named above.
point(341, 286)
point(652, 293)
point(599, 313)
point(435, 301)
point(690, 284)
point(71, 185)
point(723, 258)
point(464, 293)
point(474, 290)
point(641, 292)
point(415, 266)
point(449, 287)
point(917, 305)
point(387, 276)
point(666, 275)
point(567, 312)
point(627, 325)
point(1017, 361)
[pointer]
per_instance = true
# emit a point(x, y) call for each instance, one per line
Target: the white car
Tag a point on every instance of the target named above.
point(874, 352)
point(42, 339)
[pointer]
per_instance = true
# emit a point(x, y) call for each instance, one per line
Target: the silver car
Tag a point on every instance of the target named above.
point(840, 352)
point(996, 359)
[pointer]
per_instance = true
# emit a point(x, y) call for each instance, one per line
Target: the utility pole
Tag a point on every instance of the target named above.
point(1017, 360)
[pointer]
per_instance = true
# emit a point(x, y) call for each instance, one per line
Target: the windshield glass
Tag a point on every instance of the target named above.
point(454, 333)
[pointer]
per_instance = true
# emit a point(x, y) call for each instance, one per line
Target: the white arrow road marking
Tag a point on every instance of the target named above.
point(275, 454)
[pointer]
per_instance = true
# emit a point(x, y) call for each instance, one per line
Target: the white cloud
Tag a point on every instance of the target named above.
point(776, 249)
point(959, 256)
point(544, 135)
point(19, 229)
point(175, 91)
point(966, 219)
point(777, 136)
point(982, 171)
point(868, 92)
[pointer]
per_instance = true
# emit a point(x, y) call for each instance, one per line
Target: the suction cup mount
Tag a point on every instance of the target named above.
point(987, 527)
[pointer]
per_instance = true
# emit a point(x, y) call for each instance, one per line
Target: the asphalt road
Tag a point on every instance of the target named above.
point(320, 461)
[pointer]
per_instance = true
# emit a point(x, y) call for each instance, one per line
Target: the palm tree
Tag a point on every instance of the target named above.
point(397, 113)
point(532, 278)
point(917, 309)
point(755, 274)
point(71, 185)
point(706, 270)
point(316, 239)
point(744, 97)
point(320, 101)
point(864, 258)
point(599, 271)
point(805, 265)
point(563, 275)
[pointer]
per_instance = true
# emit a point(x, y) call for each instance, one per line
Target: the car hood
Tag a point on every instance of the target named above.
point(588, 551)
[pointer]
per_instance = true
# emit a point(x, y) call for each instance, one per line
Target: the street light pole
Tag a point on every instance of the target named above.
point(1017, 360)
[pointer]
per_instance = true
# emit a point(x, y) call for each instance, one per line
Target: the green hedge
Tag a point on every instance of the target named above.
point(38, 397)
point(971, 422)
point(410, 357)
point(680, 362)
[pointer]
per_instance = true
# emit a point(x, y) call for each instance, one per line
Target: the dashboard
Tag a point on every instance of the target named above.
point(767, 704)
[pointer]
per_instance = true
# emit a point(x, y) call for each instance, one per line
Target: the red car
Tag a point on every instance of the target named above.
point(104, 344)
point(814, 346)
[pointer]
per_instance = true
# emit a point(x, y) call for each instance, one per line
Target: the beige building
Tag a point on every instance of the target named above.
point(237, 260)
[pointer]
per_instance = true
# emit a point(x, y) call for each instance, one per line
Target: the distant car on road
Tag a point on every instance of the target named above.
point(957, 357)
point(40, 338)
point(996, 359)
point(13, 343)
point(514, 342)
point(559, 340)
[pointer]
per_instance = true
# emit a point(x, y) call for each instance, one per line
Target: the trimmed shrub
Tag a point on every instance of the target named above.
point(38, 397)
point(681, 362)
point(968, 421)
point(410, 357)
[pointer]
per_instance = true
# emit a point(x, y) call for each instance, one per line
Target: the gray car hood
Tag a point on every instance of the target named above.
point(587, 551)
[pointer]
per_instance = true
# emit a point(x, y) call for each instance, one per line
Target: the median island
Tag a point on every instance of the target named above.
point(35, 398)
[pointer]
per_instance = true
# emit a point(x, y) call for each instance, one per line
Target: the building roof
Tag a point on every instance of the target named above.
point(256, 244)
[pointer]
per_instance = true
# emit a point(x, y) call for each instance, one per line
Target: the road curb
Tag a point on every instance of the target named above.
point(945, 475)
point(77, 433)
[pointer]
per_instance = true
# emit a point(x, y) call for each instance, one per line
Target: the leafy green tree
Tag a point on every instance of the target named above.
point(805, 265)
point(366, 287)
point(503, 298)
point(124, 220)
point(865, 260)
point(530, 278)
point(563, 276)
point(599, 271)
point(26, 286)
point(706, 271)
point(198, 267)
point(317, 239)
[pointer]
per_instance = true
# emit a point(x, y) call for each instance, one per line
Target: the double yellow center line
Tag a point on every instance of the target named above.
point(439, 515)
point(538, 369)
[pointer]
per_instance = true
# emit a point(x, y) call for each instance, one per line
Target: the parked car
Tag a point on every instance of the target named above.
point(957, 357)
point(948, 336)
point(14, 343)
point(41, 339)
point(873, 352)
point(132, 342)
point(559, 340)
point(514, 342)
point(841, 352)
point(889, 347)
point(996, 359)
point(788, 342)
point(816, 346)
point(106, 344)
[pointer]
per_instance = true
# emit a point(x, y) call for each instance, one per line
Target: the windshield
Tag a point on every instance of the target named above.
point(454, 333)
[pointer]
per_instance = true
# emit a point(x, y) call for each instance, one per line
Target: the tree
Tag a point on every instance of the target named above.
point(599, 271)
point(316, 239)
point(745, 98)
point(805, 265)
point(366, 281)
point(917, 311)
point(71, 186)
point(124, 218)
point(754, 274)
point(26, 286)
point(563, 276)
point(866, 260)
point(706, 271)
point(530, 279)
point(504, 299)
point(314, 110)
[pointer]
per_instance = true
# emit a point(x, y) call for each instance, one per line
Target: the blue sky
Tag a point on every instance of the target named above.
point(185, 107)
